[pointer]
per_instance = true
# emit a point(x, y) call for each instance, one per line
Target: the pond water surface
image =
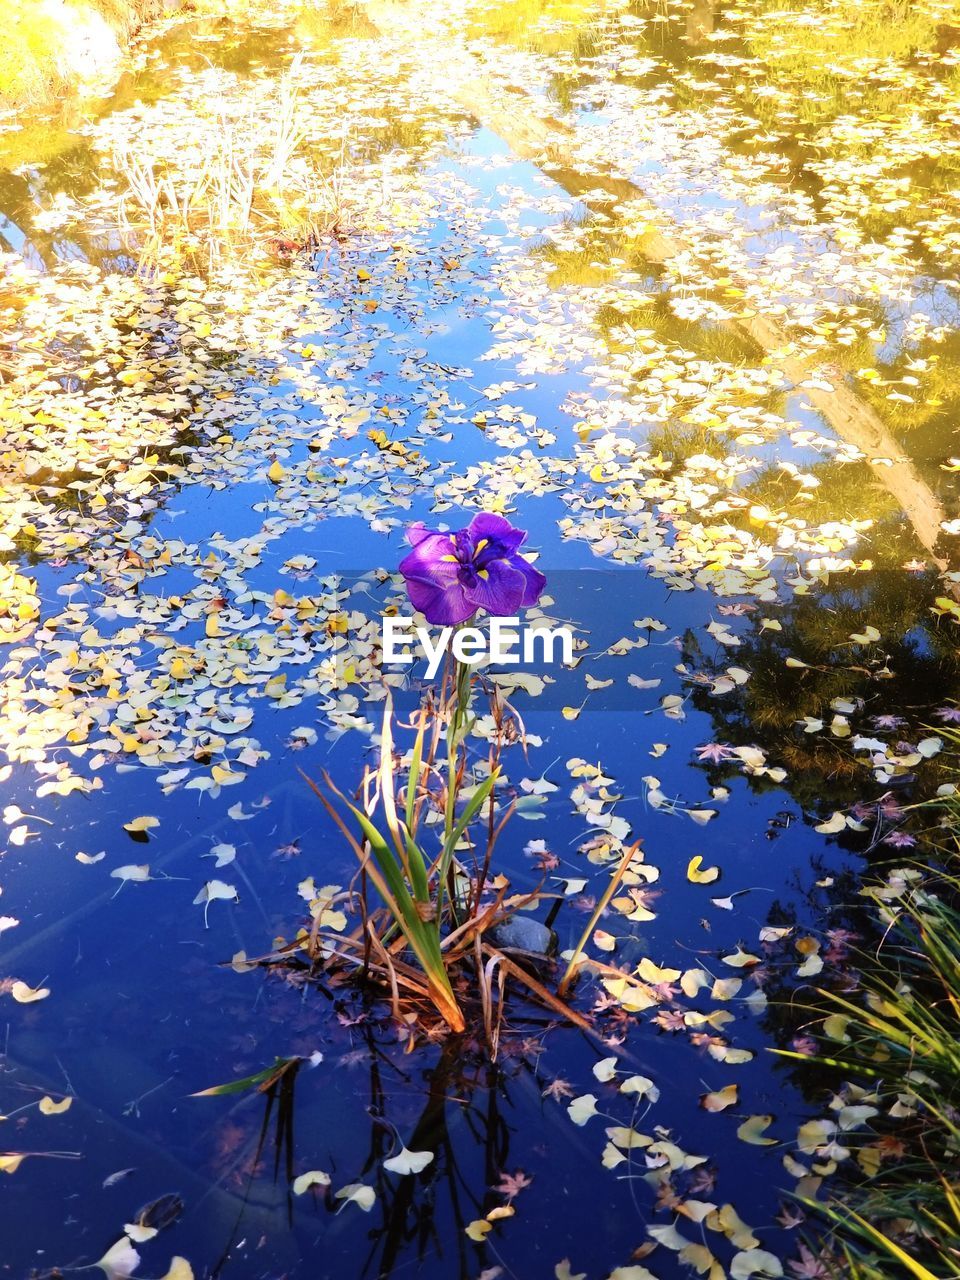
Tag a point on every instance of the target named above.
point(675, 288)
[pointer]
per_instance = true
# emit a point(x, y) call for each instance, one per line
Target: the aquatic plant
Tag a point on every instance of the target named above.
point(897, 1042)
point(435, 907)
point(253, 182)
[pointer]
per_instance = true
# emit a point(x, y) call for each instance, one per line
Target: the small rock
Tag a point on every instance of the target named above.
point(525, 934)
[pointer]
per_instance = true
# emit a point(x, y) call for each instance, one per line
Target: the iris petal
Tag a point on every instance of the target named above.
point(499, 533)
point(500, 590)
point(429, 555)
point(534, 581)
point(442, 603)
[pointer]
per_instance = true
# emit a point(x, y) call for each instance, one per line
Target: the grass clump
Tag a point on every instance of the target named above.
point(897, 1041)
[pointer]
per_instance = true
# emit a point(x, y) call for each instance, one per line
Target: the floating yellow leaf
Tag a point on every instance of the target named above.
point(48, 1107)
point(723, 1098)
point(581, 1109)
point(406, 1161)
point(139, 826)
point(696, 876)
point(315, 1178)
point(752, 1131)
point(179, 1269)
point(359, 1194)
point(647, 971)
point(27, 995)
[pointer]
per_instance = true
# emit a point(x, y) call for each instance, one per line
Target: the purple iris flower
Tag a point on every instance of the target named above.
point(450, 576)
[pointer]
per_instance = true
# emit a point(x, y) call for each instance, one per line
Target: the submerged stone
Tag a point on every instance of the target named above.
point(525, 934)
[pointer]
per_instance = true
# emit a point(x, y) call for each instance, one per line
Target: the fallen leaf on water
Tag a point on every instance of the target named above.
point(641, 1085)
point(214, 891)
point(406, 1161)
point(836, 822)
point(581, 1109)
point(814, 1134)
point(27, 995)
point(357, 1193)
point(479, 1229)
point(727, 1220)
point(138, 827)
point(699, 1257)
point(180, 1269)
point(647, 971)
point(224, 854)
point(132, 871)
point(120, 1261)
point(562, 1271)
point(701, 816)
point(696, 876)
point(752, 1131)
point(48, 1107)
point(501, 1211)
point(138, 1233)
point(754, 1262)
point(315, 1178)
point(723, 1098)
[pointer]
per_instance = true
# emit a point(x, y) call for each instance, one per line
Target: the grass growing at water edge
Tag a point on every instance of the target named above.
point(897, 1042)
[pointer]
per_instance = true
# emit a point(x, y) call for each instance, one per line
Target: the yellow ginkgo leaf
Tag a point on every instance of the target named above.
point(501, 1211)
point(723, 1098)
point(357, 1193)
point(727, 1220)
point(696, 876)
point(24, 994)
point(180, 1269)
point(276, 472)
point(647, 971)
point(139, 826)
point(315, 1178)
point(479, 1229)
point(120, 1261)
point(581, 1109)
point(752, 1131)
point(406, 1161)
point(47, 1107)
point(138, 1233)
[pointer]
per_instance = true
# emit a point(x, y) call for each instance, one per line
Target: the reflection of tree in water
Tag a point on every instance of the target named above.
point(415, 1208)
point(899, 683)
point(462, 1121)
point(912, 669)
point(604, 251)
